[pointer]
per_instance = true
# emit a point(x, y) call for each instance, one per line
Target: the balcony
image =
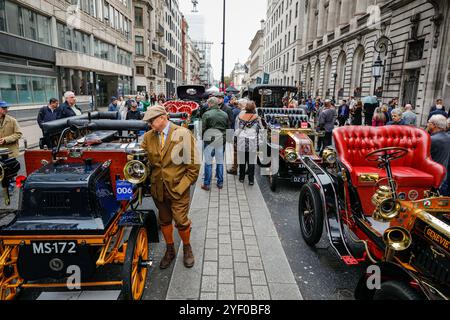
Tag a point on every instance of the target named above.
point(160, 31)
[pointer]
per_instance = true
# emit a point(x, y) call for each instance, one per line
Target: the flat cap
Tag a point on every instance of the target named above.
point(155, 112)
point(219, 95)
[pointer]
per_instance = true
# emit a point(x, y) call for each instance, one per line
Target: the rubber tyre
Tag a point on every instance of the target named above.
point(311, 224)
point(137, 250)
point(396, 290)
point(273, 181)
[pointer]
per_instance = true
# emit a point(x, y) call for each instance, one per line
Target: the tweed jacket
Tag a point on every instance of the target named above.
point(177, 166)
point(11, 132)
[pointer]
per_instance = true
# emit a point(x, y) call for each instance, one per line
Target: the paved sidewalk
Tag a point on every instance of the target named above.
point(238, 253)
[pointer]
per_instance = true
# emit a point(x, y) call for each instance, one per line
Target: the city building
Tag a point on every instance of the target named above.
point(49, 47)
point(193, 65)
point(282, 40)
point(239, 75)
point(173, 37)
point(159, 51)
point(256, 64)
point(394, 48)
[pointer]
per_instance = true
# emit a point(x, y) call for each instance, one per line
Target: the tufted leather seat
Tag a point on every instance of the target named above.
point(414, 172)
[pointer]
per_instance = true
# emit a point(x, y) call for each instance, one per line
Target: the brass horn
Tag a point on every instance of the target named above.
point(397, 239)
point(387, 208)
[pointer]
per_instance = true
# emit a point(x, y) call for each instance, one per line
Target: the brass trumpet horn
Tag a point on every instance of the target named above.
point(397, 239)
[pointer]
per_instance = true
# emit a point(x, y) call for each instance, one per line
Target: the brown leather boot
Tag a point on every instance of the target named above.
point(169, 256)
point(188, 256)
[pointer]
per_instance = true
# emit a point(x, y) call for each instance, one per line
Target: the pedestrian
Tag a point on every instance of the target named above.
point(439, 109)
point(440, 144)
point(146, 103)
point(237, 111)
point(134, 113)
point(123, 108)
point(396, 116)
point(327, 119)
point(113, 106)
point(393, 104)
point(369, 109)
point(222, 106)
point(48, 113)
point(409, 117)
point(310, 105)
point(303, 106)
point(357, 113)
point(69, 108)
point(214, 130)
point(171, 180)
point(344, 113)
point(10, 132)
point(379, 118)
point(439, 105)
point(248, 136)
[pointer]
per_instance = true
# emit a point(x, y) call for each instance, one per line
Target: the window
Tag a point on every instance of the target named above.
point(140, 71)
point(2, 16)
point(24, 90)
point(44, 29)
point(139, 46)
point(8, 90)
point(12, 12)
point(138, 17)
point(38, 90)
point(30, 24)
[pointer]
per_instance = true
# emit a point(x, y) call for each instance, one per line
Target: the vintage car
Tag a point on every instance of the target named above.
point(187, 105)
point(9, 167)
point(80, 210)
point(289, 133)
point(378, 191)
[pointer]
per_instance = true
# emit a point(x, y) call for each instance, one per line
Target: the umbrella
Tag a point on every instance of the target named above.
point(370, 100)
point(232, 89)
point(213, 89)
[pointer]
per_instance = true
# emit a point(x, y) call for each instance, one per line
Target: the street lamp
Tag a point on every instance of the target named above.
point(377, 70)
point(334, 87)
point(223, 48)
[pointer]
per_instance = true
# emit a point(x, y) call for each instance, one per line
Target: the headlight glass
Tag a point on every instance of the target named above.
point(291, 155)
point(135, 172)
point(329, 156)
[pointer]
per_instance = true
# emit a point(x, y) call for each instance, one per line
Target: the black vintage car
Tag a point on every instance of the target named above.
point(80, 206)
point(186, 109)
point(289, 134)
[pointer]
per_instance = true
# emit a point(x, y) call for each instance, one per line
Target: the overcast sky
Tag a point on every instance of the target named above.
point(243, 21)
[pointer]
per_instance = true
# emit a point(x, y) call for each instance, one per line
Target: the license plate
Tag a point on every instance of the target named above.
point(57, 247)
point(299, 179)
point(124, 190)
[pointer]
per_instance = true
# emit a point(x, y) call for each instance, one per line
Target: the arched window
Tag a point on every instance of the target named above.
point(308, 79)
point(327, 88)
point(316, 90)
point(358, 71)
point(340, 70)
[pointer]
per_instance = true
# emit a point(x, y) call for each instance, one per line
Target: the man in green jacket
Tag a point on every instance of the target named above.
point(214, 127)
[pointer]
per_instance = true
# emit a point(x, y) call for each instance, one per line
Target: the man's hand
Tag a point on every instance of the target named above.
point(2, 141)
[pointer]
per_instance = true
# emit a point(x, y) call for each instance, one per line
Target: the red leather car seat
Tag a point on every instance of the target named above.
point(414, 172)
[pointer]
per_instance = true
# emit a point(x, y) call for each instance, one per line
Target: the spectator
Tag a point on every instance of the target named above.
point(310, 106)
point(215, 125)
point(222, 106)
point(379, 118)
point(446, 186)
point(369, 110)
point(146, 104)
point(69, 108)
point(113, 107)
point(397, 120)
point(439, 105)
point(357, 113)
point(10, 132)
point(237, 112)
point(123, 108)
point(47, 114)
point(327, 118)
point(140, 104)
point(344, 113)
point(438, 110)
point(303, 106)
point(440, 144)
point(248, 139)
point(391, 106)
point(409, 116)
point(134, 113)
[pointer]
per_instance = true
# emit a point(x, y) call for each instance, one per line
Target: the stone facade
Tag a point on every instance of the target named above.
point(257, 53)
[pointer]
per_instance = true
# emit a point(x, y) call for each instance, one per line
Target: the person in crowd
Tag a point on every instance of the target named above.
point(440, 144)
point(123, 108)
point(357, 113)
point(248, 139)
point(237, 112)
point(379, 118)
point(114, 105)
point(343, 113)
point(134, 113)
point(153, 98)
point(146, 103)
point(439, 105)
point(10, 132)
point(369, 110)
point(215, 123)
point(48, 113)
point(140, 104)
point(172, 180)
point(311, 106)
point(327, 119)
point(409, 116)
point(69, 108)
point(393, 104)
point(396, 116)
point(303, 106)
point(222, 106)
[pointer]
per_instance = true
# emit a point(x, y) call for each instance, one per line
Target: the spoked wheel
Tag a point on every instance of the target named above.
point(310, 212)
point(135, 268)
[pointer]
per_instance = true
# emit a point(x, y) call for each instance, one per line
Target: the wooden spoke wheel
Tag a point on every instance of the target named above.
point(310, 214)
point(135, 268)
point(273, 181)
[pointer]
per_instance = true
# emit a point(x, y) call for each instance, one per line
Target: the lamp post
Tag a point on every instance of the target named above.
point(223, 48)
point(334, 87)
point(377, 72)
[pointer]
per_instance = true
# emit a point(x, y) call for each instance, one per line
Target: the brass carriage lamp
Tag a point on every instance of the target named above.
point(377, 70)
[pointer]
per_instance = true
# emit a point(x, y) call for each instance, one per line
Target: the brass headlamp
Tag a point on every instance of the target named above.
point(135, 172)
point(329, 156)
point(290, 155)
